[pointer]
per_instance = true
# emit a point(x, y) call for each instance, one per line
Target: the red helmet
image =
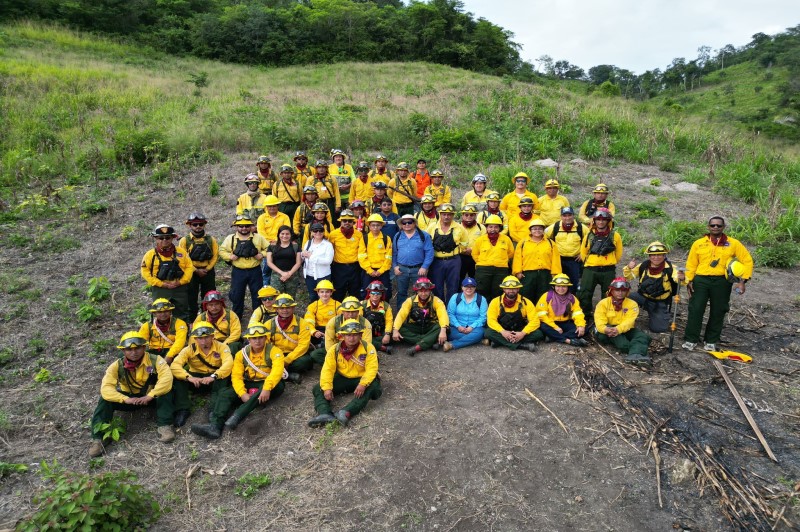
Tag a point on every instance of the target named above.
point(376, 286)
point(423, 283)
point(619, 283)
point(213, 295)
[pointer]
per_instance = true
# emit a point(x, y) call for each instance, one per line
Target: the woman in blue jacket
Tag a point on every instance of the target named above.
point(467, 311)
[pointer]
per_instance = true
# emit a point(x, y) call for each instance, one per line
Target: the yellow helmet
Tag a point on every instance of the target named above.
point(511, 282)
point(285, 301)
point(734, 270)
point(255, 330)
point(324, 285)
point(601, 188)
point(561, 279)
point(552, 183)
point(375, 218)
point(160, 304)
point(522, 175)
point(350, 303)
point(131, 339)
point(402, 166)
point(202, 328)
point(536, 222)
point(493, 220)
point(242, 220)
point(267, 291)
point(347, 214)
point(437, 173)
point(351, 327)
point(271, 201)
point(427, 198)
point(656, 248)
point(447, 207)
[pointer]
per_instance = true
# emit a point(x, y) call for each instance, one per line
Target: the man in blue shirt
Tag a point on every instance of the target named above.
point(412, 254)
point(391, 220)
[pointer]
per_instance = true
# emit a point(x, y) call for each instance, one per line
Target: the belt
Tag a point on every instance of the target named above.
point(445, 258)
point(602, 268)
point(411, 265)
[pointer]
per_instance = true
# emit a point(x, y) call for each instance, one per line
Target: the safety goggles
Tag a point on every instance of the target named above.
point(203, 331)
point(132, 342)
point(213, 297)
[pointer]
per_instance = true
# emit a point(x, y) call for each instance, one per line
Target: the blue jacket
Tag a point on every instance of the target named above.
point(466, 314)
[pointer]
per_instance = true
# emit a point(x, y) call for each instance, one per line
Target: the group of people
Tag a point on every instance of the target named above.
point(513, 271)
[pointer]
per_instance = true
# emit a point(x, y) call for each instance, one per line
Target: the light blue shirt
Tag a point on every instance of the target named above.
point(466, 314)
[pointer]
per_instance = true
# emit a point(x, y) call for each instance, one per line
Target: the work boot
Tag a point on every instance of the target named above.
point(165, 434)
point(180, 417)
point(296, 378)
point(578, 342)
point(414, 350)
point(436, 346)
point(637, 359)
point(528, 346)
point(343, 417)
point(385, 349)
point(447, 346)
point(689, 346)
point(96, 449)
point(233, 421)
point(207, 430)
point(321, 420)
point(710, 347)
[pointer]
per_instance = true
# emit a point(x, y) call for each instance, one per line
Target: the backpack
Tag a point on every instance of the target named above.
point(122, 373)
point(514, 321)
point(397, 235)
point(653, 287)
point(244, 248)
point(458, 299)
point(557, 228)
point(168, 270)
point(604, 246)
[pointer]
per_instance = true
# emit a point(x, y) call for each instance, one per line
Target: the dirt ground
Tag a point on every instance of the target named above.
point(458, 441)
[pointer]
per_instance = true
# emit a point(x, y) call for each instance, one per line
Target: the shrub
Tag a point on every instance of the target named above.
point(109, 501)
point(647, 210)
point(248, 484)
point(99, 289)
point(214, 187)
point(111, 430)
point(88, 312)
point(777, 254)
point(680, 234)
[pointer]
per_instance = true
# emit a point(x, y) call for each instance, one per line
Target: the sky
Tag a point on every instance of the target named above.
point(637, 35)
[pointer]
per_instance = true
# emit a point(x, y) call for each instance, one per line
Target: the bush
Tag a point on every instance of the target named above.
point(680, 234)
point(590, 149)
point(109, 501)
point(777, 255)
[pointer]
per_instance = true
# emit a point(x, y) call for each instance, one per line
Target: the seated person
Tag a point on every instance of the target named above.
point(350, 310)
point(378, 313)
point(166, 334)
point(320, 312)
point(421, 320)
point(512, 320)
point(615, 319)
point(560, 315)
point(292, 336)
point(225, 322)
point(266, 310)
point(467, 311)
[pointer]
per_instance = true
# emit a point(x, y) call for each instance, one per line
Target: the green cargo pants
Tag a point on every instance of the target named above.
point(342, 385)
point(252, 403)
point(633, 342)
point(535, 283)
point(496, 337)
point(105, 411)
point(717, 290)
point(423, 335)
point(222, 396)
point(593, 276)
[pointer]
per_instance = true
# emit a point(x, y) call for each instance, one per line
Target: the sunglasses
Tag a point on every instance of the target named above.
point(375, 293)
point(198, 225)
point(407, 222)
point(170, 238)
point(317, 231)
point(716, 225)
point(268, 298)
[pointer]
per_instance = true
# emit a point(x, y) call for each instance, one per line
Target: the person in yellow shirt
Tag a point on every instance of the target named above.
point(209, 364)
point(567, 235)
point(422, 320)
point(362, 184)
point(135, 380)
point(551, 203)
point(518, 225)
point(378, 312)
point(266, 310)
point(166, 334)
point(351, 365)
point(327, 187)
point(257, 374)
point(292, 335)
point(303, 214)
point(601, 250)
point(510, 202)
point(560, 316)
point(469, 215)
point(360, 213)
point(658, 284)
point(427, 216)
point(167, 269)
point(349, 310)
point(598, 201)
point(343, 173)
point(381, 171)
point(244, 252)
point(492, 253)
point(227, 325)
point(251, 203)
point(440, 192)
point(265, 174)
point(289, 191)
point(403, 190)
point(373, 204)
point(512, 320)
point(536, 261)
point(493, 209)
point(449, 238)
point(615, 323)
point(375, 255)
point(320, 311)
point(345, 271)
point(319, 215)
point(203, 250)
point(269, 222)
point(477, 196)
point(716, 263)
point(301, 170)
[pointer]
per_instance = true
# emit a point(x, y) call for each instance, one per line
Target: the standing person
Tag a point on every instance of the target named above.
point(266, 310)
point(536, 261)
point(601, 250)
point(133, 381)
point(411, 257)
point(251, 203)
point(512, 320)
point(226, 324)
point(492, 252)
point(327, 187)
point(716, 263)
point(510, 203)
point(203, 249)
point(375, 256)
point(301, 169)
point(567, 235)
point(658, 284)
point(244, 251)
point(467, 311)
point(379, 189)
point(427, 216)
point(265, 174)
point(165, 334)
point(362, 184)
point(560, 315)
point(168, 270)
point(422, 177)
point(422, 320)
point(319, 215)
point(476, 196)
point(343, 173)
point(519, 224)
point(381, 171)
point(440, 192)
point(268, 225)
point(377, 311)
point(288, 190)
point(403, 190)
point(345, 271)
point(448, 240)
point(292, 335)
point(284, 259)
point(304, 213)
point(360, 212)
point(351, 365)
point(615, 323)
point(317, 254)
point(598, 201)
point(493, 209)
point(551, 203)
point(473, 230)
point(390, 218)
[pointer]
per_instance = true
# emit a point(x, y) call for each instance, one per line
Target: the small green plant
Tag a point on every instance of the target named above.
point(43, 376)
point(127, 232)
point(199, 79)
point(88, 312)
point(777, 254)
point(99, 289)
point(108, 501)
point(6, 355)
point(655, 182)
point(139, 314)
point(248, 484)
point(7, 468)
point(5, 422)
point(647, 210)
point(680, 234)
point(194, 454)
point(101, 347)
point(214, 187)
point(111, 430)
point(96, 463)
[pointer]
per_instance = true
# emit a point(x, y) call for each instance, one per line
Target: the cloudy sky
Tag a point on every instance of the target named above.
point(638, 35)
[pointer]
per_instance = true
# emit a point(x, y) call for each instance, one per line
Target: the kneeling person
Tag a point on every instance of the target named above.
point(378, 312)
point(615, 319)
point(512, 320)
point(351, 365)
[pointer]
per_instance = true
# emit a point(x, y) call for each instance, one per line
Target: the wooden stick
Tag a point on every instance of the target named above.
point(189, 474)
point(657, 458)
point(550, 411)
point(744, 409)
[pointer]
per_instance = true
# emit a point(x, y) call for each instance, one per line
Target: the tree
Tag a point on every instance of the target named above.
point(600, 73)
point(728, 50)
point(546, 64)
point(565, 70)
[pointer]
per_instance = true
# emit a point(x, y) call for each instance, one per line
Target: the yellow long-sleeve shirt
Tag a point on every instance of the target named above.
point(510, 202)
point(550, 208)
point(703, 253)
point(610, 259)
point(288, 193)
point(345, 250)
point(319, 313)
point(483, 215)
point(522, 304)
point(293, 341)
point(424, 221)
point(472, 198)
point(335, 323)
point(242, 371)
point(327, 188)
point(472, 235)
point(408, 185)
point(582, 216)
point(262, 314)
point(518, 229)
point(253, 206)
point(388, 315)
point(344, 175)
point(375, 253)
point(531, 255)
point(300, 216)
point(152, 260)
point(268, 225)
point(433, 302)
point(485, 254)
point(217, 361)
point(442, 193)
point(189, 242)
point(361, 190)
point(567, 242)
point(227, 329)
point(635, 273)
point(459, 236)
point(245, 263)
point(175, 336)
point(544, 311)
point(363, 364)
point(624, 319)
point(117, 390)
point(386, 176)
point(266, 181)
